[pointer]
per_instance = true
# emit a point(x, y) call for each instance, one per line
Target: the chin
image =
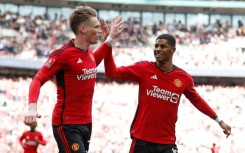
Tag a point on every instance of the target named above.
point(157, 59)
point(93, 42)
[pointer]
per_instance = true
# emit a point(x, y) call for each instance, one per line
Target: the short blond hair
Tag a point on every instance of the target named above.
point(80, 15)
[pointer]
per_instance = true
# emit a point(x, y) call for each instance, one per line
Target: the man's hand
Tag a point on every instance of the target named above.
point(117, 27)
point(105, 29)
point(31, 115)
point(226, 128)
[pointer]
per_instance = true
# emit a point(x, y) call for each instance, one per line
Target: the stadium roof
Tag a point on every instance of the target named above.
point(182, 6)
point(188, 3)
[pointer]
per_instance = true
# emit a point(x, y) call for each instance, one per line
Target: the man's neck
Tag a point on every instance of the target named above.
point(165, 67)
point(81, 44)
point(32, 131)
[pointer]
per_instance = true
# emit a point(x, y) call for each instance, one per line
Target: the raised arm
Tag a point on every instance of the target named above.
point(111, 70)
point(108, 35)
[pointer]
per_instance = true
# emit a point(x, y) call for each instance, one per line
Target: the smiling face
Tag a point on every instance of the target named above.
point(163, 51)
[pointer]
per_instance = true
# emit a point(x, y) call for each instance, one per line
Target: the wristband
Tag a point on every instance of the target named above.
point(218, 120)
point(109, 40)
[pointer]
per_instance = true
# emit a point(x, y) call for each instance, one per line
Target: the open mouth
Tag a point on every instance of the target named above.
point(158, 55)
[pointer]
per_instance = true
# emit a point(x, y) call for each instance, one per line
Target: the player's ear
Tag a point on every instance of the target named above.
point(173, 49)
point(81, 28)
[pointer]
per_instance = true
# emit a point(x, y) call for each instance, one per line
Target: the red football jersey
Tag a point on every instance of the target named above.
point(31, 140)
point(215, 149)
point(159, 97)
point(75, 75)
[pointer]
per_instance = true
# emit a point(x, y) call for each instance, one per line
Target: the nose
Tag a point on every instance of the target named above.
point(158, 49)
point(100, 31)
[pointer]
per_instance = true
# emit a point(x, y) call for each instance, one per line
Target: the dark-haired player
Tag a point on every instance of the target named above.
point(161, 84)
point(30, 140)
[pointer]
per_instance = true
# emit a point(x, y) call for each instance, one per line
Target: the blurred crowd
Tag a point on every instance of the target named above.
point(217, 45)
point(204, 46)
point(114, 105)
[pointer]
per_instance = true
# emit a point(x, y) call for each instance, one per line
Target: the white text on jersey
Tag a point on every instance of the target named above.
point(162, 94)
point(87, 74)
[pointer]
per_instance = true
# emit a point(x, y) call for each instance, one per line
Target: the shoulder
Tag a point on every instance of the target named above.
point(140, 64)
point(143, 63)
point(38, 133)
point(180, 70)
point(25, 133)
point(184, 76)
point(62, 50)
point(183, 73)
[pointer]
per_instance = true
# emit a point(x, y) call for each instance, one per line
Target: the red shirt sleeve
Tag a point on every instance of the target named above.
point(111, 69)
point(197, 100)
point(51, 66)
point(41, 140)
point(100, 53)
point(21, 139)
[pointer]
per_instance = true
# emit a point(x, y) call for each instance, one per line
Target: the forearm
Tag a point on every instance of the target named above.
point(203, 107)
point(34, 90)
point(206, 109)
point(111, 69)
point(42, 142)
point(21, 142)
point(100, 53)
point(35, 86)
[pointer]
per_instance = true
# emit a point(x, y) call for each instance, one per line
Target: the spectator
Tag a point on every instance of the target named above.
point(30, 140)
point(214, 148)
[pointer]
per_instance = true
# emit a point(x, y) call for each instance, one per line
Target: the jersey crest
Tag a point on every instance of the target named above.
point(75, 146)
point(177, 83)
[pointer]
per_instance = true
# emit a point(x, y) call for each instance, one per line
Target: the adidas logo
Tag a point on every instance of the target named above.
point(79, 60)
point(154, 77)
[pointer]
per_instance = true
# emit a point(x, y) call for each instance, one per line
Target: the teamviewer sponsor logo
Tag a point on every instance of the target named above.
point(87, 74)
point(163, 94)
point(174, 98)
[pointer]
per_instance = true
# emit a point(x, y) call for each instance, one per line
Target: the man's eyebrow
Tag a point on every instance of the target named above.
point(160, 45)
